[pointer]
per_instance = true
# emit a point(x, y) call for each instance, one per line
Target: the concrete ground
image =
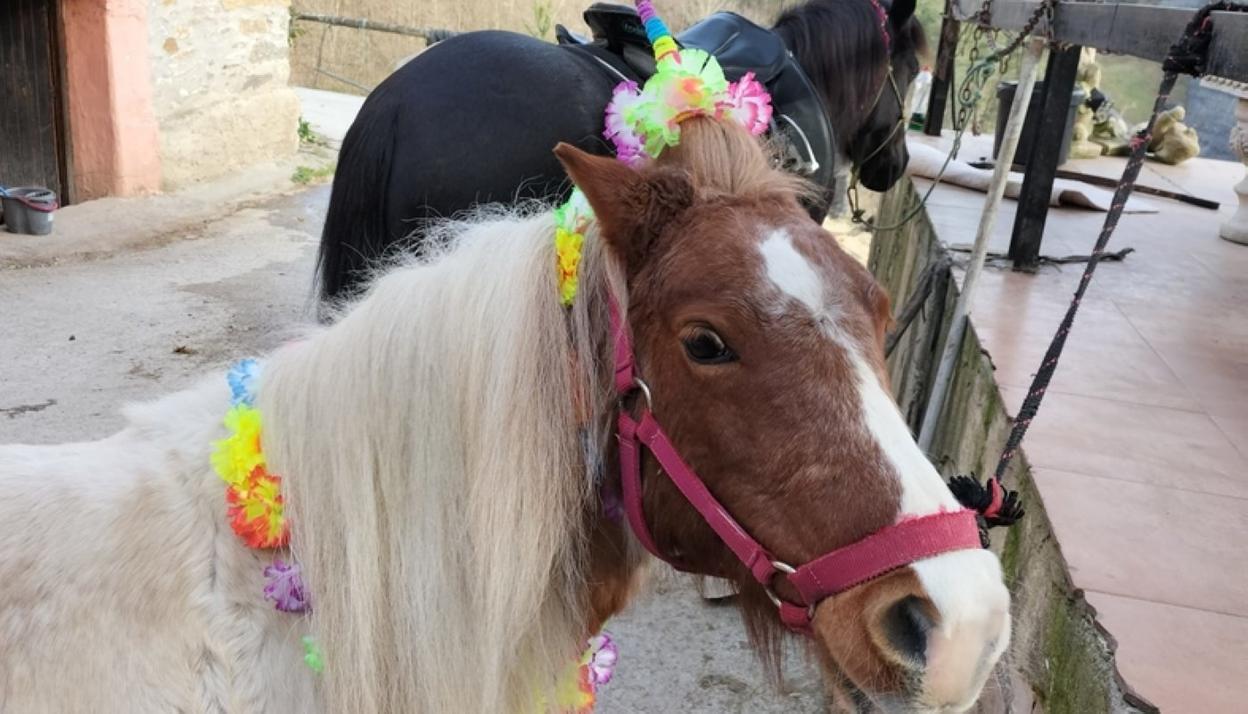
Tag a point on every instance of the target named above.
point(81, 337)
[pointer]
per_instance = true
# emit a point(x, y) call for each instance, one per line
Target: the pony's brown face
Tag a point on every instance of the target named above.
point(761, 341)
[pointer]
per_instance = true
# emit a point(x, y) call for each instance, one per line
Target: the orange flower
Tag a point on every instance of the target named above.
point(256, 510)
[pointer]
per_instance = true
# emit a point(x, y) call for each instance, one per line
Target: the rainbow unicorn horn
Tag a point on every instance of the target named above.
point(656, 31)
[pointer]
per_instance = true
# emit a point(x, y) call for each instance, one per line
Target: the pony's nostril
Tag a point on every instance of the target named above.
point(906, 625)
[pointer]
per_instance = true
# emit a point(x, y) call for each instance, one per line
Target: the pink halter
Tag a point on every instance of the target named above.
point(885, 550)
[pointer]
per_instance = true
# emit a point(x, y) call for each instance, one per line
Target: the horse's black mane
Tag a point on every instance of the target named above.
point(834, 40)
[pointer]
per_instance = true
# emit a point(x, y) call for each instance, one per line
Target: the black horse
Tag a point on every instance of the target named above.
point(473, 120)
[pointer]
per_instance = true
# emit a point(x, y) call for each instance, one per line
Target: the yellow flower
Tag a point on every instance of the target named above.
point(572, 694)
point(568, 246)
point(236, 456)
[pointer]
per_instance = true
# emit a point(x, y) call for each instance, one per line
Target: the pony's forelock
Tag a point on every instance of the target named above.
point(723, 159)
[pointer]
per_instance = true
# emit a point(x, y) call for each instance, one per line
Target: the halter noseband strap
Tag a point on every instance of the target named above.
point(882, 552)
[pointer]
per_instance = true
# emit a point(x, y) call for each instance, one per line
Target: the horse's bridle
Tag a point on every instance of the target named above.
point(881, 552)
point(890, 80)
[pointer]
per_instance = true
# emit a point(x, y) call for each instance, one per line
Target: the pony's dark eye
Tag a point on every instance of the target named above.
point(705, 347)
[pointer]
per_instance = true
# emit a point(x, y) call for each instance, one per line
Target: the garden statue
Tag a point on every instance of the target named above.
point(1173, 141)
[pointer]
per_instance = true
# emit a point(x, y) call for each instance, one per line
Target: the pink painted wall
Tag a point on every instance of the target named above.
point(113, 130)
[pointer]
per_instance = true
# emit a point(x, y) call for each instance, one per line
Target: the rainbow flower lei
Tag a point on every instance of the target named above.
point(641, 122)
point(253, 494)
point(255, 506)
point(577, 689)
point(256, 514)
point(572, 219)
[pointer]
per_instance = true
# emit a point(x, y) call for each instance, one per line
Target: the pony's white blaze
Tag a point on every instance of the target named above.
point(964, 586)
point(922, 490)
point(790, 272)
point(973, 628)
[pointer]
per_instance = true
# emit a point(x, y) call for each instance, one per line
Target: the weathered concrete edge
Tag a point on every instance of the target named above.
point(1058, 648)
point(97, 229)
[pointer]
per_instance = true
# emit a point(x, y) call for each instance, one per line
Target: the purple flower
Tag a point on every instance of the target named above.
point(285, 587)
point(612, 504)
point(603, 654)
point(621, 125)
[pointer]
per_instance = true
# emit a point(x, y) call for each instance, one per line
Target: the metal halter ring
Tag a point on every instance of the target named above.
point(783, 567)
point(641, 386)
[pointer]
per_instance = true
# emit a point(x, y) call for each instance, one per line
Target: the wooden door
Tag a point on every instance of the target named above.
point(33, 150)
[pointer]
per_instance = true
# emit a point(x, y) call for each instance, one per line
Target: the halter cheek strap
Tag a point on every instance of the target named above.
point(886, 550)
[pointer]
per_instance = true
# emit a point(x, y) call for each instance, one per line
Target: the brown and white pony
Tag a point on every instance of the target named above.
point(446, 510)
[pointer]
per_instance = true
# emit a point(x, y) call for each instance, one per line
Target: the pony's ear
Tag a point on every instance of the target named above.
point(631, 207)
point(900, 12)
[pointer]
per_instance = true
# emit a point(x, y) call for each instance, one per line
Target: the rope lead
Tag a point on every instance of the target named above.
point(996, 505)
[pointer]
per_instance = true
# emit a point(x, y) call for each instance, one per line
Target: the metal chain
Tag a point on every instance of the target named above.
point(970, 92)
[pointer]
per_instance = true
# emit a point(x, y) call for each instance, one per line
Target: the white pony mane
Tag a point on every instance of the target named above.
point(436, 474)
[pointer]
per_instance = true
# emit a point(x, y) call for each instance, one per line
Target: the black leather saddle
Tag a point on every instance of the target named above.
point(620, 46)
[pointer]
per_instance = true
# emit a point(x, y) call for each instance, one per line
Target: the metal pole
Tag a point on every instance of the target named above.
point(344, 80)
point(365, 24)
point(996, 190)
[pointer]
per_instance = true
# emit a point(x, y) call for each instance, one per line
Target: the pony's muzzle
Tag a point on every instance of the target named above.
point(923, 638)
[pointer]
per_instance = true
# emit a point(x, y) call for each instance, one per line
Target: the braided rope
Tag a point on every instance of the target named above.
point(996, 505)
point(1187, 56)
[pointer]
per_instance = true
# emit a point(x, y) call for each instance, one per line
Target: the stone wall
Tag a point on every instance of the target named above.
point(324, 56)
point(219, 75)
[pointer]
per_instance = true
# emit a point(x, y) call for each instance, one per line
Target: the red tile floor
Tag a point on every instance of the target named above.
point(1141, 446)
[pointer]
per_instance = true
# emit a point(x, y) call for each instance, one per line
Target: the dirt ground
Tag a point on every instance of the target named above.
point(81, 338)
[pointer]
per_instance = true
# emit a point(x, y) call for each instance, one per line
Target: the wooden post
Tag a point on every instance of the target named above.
point(942, 74)
point(1033, 200)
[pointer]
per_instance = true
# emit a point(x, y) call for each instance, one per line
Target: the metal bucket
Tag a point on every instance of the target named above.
point(29, 209)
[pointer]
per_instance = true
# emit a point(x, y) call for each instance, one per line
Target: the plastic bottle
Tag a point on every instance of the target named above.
point(920, 92)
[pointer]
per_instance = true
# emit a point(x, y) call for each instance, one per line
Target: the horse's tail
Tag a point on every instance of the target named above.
point(356, 229)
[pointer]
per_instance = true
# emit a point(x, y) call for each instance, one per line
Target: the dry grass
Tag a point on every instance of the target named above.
point(365, 57)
